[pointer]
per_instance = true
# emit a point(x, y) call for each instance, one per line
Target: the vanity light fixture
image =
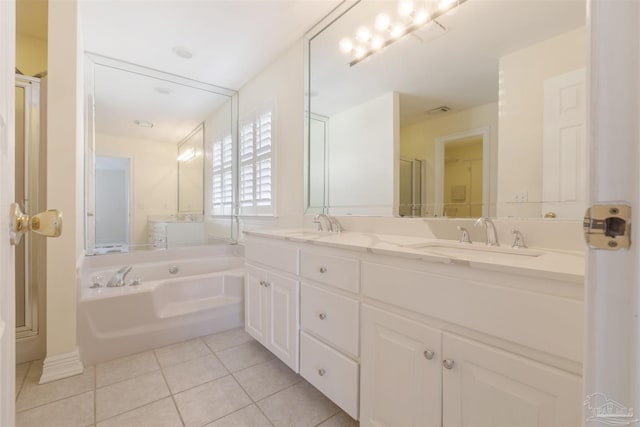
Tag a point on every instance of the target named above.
point(187, 155)
point(143, 124)
point(410, 18)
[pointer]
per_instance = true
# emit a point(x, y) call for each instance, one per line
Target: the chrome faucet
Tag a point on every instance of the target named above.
point(464, 238)
point(490, 228)
point(118, 278)
point(332, 224)
point(518, 239)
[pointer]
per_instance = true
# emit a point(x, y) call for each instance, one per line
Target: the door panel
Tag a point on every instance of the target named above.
point(399, 385)
point(7, 183)
point(283, 318)
point(488, 387)
point(254, 303)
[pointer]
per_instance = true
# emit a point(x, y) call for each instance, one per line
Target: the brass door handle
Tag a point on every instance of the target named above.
point(47, 223)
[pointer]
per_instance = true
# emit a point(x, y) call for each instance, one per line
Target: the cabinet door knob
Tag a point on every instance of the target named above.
point(267, 284)
point(323, 270)
point(448, 363)
point(322, 316)
point(261, 282)
point(321, 372)
point(428, 354)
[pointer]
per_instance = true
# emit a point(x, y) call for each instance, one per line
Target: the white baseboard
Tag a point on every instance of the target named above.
point(61, 366)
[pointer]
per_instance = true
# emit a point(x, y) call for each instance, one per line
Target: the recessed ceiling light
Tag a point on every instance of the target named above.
point(163, 90)
point(143, 124)
point(182, 52)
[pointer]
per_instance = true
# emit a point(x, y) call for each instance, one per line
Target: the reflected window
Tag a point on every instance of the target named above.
point(256, 138)
point(222, 176)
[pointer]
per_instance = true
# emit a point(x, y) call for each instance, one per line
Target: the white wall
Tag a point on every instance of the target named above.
point(418, 141)
point(31, 54)
point(154, 178)
point(282, 83)
point(521, 127)
point(364, 135)
point(65, 170)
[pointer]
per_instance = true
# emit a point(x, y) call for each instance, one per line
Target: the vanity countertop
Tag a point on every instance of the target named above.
point(550, 264)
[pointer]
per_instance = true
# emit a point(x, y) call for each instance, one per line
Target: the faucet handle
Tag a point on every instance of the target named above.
point(518, 239)
point(316, 220)
point(335, 225)
point(464, 238)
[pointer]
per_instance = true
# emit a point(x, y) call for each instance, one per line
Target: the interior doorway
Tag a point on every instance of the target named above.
point(112, 214)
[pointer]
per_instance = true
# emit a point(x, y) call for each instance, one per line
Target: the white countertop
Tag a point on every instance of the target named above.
point(554, 265)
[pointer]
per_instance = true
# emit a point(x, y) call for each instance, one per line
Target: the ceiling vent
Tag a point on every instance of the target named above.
point(439, 110)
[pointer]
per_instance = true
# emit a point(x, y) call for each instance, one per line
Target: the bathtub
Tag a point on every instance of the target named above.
point(179, 297)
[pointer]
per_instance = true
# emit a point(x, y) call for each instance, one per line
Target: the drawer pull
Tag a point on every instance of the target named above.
point(323, 270)
point(428, 354)
point(448, 363)
point(321, 372)
point(322, 316)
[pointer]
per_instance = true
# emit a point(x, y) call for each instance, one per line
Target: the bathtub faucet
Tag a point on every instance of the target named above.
point(118, 278)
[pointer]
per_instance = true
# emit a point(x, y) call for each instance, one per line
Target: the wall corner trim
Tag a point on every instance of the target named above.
point(61, 366)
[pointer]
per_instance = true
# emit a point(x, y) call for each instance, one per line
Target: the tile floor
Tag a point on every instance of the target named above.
point(222, 380)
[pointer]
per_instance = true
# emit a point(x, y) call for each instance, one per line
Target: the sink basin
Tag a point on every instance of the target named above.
point(457, 248)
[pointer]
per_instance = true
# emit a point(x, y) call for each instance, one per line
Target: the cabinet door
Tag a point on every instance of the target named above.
point(254, 303)
point(401, 380)
point(493, 388)
point(282, 313)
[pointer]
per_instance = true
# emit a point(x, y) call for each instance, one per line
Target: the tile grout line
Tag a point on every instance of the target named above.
point(75, 394)
point(166, 383)
point(253, 402)
point(24, 379)
point(95, 395)
point(134, 409)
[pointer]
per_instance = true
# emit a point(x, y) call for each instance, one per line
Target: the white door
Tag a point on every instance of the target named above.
point(612, 347)
point(254, 303)
point(7, 262)
point(487, 387)
point(282, 315)
point(401, 374)
point(564, 172)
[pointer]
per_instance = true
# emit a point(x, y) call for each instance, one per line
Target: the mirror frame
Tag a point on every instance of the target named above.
point(91, 61)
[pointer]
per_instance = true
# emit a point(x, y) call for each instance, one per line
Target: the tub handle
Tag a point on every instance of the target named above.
point(321, 372)
point(173, 269)
point(322, 316)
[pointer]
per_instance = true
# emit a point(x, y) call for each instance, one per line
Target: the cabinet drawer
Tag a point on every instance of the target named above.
point(330, 316)
point(331, 372)
point(334, 271)
point(281, 256)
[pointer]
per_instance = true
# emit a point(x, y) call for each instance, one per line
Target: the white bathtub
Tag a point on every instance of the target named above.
point(205, 296)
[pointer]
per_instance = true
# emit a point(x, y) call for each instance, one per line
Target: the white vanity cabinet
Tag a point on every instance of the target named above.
point(272, 301)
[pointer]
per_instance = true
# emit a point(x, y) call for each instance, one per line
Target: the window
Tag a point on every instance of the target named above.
point(222, 176)
point(256, 160)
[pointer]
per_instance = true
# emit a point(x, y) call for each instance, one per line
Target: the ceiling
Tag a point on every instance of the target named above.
point(457, 67)
point(231, 41)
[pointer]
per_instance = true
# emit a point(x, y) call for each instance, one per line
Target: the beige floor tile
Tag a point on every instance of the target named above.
point(125, 367)
point(189, 374)
point(262, 380)
point(249, 416)
point(127, 395)
point(21, 373)
point(211, 401)
point(182, 352)
point(227, 339)
point(244, 356)
point(162, 413)
point(300, 406)
point(340, 420)
point(34, 394)
point(70, 412)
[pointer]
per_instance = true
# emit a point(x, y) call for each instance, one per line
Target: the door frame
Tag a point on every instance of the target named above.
point(438, 163)
point(7, 183)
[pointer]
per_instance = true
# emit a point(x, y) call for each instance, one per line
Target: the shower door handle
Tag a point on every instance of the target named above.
point(47, 223)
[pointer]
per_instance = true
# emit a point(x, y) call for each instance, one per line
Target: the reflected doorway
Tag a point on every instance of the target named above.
point(412, 187)
point(113, 176)
point(462, 174)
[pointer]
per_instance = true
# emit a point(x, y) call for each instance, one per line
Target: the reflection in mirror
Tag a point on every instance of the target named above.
point(400, 124)
point(150, 145)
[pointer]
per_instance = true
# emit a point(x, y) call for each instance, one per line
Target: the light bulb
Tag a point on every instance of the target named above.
point(363, 34)
point(377, 42)
point(405, 7)
point(397, 31)
point(445, 4)
point(420, 17)
point(382, 22)
point(346, 45)
point(360, 51)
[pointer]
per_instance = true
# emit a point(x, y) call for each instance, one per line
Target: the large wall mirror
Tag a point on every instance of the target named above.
point(449, 109)
point(150, 158)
